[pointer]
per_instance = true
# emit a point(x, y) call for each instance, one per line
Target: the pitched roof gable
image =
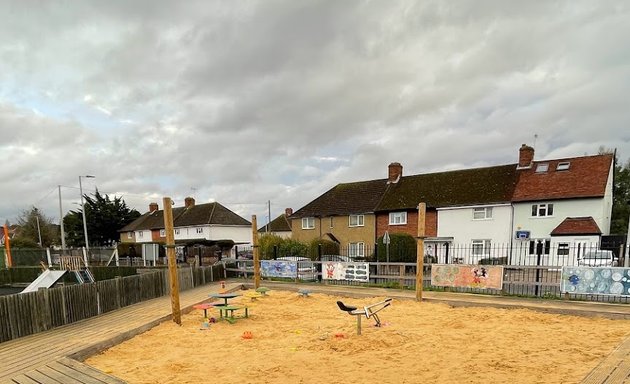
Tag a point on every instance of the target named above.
point(344, 199)
point(452, 188)
point(586, 177)
point(199, 214)
point(279, 224)
point(573, 226)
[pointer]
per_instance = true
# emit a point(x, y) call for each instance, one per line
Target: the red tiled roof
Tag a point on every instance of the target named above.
point(577, 226)
point(586, 177)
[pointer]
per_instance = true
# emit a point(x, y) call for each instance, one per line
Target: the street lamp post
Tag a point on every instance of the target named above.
point(626, 261)
point(87, 243)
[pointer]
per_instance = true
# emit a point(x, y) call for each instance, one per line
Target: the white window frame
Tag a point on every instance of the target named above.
point(481, 247)
point(130, 235)
point(542, 210)
point(177, 231)
point(359, 220)
point(356, 249)
point(140, 234)
point(200, 230)
point(484, 213)
point(398, 218)
point(542, 167)
point(162, 232)
point(563, 249)
point(563, 166)
point(308, 223)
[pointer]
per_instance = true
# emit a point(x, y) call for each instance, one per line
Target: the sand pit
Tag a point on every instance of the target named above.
point(293, 341)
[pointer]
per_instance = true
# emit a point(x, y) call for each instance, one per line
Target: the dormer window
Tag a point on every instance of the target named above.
point(563, 166)
point(542, 167)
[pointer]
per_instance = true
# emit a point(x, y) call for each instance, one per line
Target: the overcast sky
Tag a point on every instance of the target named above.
point(242, 102)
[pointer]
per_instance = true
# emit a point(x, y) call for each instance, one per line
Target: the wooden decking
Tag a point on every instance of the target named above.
point(615, 369)
point(54, 356)
point(65, 370)
point(51, 356)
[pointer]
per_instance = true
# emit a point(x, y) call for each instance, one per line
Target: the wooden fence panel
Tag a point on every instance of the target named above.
point(108, 295)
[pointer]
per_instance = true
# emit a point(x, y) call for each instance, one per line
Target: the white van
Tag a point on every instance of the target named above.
point(599, 258)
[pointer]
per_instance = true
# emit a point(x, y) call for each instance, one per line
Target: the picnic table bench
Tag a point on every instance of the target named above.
point(227, 312)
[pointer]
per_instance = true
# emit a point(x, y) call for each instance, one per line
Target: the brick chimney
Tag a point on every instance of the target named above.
point(189, 202)
point(288, 212)
point(395, 173)
point(525, 157)
point(153, 207)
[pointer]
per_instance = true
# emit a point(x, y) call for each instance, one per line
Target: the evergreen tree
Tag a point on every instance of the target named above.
point(104, 217)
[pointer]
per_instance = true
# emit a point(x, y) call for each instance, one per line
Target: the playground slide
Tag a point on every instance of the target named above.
point(46, 280)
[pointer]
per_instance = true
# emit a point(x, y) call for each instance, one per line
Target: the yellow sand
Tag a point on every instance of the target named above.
point(294, 342)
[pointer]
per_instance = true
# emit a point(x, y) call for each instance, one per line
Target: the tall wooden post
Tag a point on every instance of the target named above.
point(7, 246)
point(422, 210)
point(170, 255)
point(256, 253)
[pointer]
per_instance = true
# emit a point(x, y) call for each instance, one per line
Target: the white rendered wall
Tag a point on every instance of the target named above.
point(459, 224)
point(237, 234)
point(541, 227)
point(143, 236)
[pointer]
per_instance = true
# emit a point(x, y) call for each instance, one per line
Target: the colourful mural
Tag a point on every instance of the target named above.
point(275, 268)
point(596, 280)
point(346, 271)
point(467, 276)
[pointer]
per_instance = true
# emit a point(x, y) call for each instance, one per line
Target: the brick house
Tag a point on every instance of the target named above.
point(512, 205)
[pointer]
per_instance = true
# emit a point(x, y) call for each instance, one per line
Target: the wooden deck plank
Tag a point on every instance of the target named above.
point(621, 372)
point(56, 375)
point(20, 379)
point(81, 375)
point(93, 372)
point(33, 352)
point(41, 378)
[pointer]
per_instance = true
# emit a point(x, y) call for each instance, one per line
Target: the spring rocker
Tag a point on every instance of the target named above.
point(369, 311)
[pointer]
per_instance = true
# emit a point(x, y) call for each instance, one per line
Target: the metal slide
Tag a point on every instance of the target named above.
point(46, 280)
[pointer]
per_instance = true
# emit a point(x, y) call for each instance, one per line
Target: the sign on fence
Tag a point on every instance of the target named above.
point(346, 271)
point(467, 276)
point(275, 268)
point(596, 280)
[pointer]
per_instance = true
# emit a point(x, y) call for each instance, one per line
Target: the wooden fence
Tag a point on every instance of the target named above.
point(28, 313)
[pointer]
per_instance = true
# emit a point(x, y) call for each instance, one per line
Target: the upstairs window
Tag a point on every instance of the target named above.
point(542, 167)
point(542, 210)
point(162, 232)
point(482, 213)
point(357, 220)
point(563, 249)
point(308, 223)
point(397, 218)
point(130, 235)
point(140, 234)
point(199, 230)
point(563, 166)
point(177, 231)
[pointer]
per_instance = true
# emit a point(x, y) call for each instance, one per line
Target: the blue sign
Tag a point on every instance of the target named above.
point(276, 268)
point(596, 280)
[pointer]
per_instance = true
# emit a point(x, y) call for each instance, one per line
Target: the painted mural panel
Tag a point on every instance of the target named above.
point(346, 271)
point(596, 280)
point(467, 276)
point(275, 268)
